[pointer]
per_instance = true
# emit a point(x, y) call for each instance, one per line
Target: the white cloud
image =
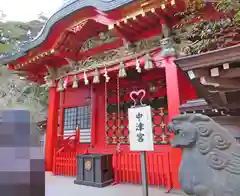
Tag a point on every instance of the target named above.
point(27, 10)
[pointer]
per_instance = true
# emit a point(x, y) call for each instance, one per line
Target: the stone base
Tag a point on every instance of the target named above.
point(94, 184)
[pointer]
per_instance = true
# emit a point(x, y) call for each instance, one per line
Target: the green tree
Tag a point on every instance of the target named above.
point(13, 34)
point(15, 92)
point(2, 15)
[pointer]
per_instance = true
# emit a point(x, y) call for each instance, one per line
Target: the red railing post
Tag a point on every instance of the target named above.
point(115, 168)
point(169, 176)
point(77, 137)
point(54, 162)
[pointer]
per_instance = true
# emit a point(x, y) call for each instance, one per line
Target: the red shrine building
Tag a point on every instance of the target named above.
point(91, 54)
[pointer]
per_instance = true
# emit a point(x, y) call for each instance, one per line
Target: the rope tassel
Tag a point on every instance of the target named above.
point(86, 82)
point(60, 85)
point(65, 82)
point(75, 82)
point(122, 72)
point(138, 67)
point(148, 62)
point(107, 78)
point(96, 78)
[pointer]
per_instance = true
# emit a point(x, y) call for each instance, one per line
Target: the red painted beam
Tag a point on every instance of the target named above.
point(65, 54)
point(61, 41)
point(80, 56)
point(161, 15)
point(119, 32)
point(129, 31)
point(132, 24)
point(63, 44)
point(127, 28)
point(170, 9)
point(180, 5)
point(150, 19)
point(105, 47)
point(147, 34)
point(139, 23)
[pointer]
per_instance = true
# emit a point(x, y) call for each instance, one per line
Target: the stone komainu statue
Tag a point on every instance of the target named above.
point(210, 163)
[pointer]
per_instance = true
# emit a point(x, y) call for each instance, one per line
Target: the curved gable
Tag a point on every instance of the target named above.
point(71, 7)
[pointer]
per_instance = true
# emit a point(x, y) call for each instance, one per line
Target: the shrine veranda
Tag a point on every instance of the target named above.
point(92, 55)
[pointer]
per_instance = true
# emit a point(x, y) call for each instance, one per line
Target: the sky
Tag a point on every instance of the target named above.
point(27, 10)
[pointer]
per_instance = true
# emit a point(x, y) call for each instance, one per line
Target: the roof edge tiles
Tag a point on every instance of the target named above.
point(66, 10)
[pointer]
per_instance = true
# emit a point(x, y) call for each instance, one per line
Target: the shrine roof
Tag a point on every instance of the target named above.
point(209, 59)
point(216, 77)
point(66, 10)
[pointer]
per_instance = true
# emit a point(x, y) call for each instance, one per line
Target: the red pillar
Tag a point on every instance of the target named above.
point(61, 118)
point(172, 87)
point(173, 97)
point(94, 117)
point(52, 127)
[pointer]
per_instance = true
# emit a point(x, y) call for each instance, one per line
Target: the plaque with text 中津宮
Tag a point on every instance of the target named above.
point(140, 129)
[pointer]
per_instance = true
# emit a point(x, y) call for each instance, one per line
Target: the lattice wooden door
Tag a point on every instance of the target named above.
point(118, 102)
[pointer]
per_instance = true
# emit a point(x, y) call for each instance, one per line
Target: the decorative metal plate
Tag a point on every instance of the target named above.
point(88, 165)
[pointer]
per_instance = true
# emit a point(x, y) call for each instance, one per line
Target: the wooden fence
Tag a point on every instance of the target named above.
point(64, 163)
point(126, 166)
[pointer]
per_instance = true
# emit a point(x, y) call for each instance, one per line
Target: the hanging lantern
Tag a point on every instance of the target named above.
point(65, 83)
point(148, 62)
point(75, 82)
point(122, 72)
point(86, 82)
point(60, 87)
point(96, 78)
point(107, 78)
point(138, 67)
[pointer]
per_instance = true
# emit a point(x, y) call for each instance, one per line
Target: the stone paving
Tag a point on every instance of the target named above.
point(64, 186)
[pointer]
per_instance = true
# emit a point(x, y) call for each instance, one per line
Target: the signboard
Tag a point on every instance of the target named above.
point(140, 129)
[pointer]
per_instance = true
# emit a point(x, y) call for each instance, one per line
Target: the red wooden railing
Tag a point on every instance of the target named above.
point(126, 164)
point(68, 142)
point(64, 163)
point(126, 167)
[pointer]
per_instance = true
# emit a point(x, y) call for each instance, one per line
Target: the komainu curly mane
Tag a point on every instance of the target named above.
point(209, 148)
